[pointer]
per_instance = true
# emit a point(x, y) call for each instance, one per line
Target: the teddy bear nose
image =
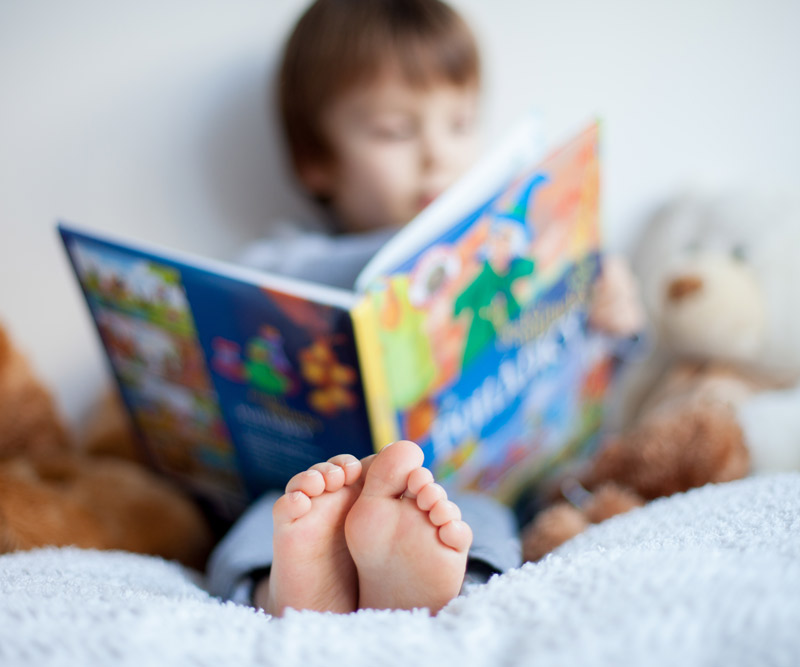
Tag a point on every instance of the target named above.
point(682, 287)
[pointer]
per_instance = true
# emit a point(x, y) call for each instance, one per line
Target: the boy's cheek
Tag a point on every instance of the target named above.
point(394, 168)
point(463, 155)
point(396, 155)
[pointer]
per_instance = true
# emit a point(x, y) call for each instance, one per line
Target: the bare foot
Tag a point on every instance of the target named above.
point(407, 540)
point(312, 568)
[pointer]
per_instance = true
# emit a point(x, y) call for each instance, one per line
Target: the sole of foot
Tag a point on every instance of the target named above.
point(312, 568)
point(406, 538)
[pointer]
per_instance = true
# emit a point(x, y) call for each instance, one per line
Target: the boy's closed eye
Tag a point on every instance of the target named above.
point(396, 130)
point(399, 129)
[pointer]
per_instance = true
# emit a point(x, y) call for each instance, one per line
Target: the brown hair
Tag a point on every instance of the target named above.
point(338, 44)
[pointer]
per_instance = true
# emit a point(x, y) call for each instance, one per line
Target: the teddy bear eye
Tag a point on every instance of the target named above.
point(739, 253)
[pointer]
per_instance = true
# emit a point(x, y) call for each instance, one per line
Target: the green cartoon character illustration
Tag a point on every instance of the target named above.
point(490, 297)
point(266, 366)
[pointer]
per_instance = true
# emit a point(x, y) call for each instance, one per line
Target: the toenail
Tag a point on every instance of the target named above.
point(350, 464)
point(294, 496)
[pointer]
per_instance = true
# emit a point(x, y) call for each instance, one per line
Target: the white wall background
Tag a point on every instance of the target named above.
point(151, 119)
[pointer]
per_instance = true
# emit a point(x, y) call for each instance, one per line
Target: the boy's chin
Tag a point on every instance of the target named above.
point(366, 223)
point(381, 226)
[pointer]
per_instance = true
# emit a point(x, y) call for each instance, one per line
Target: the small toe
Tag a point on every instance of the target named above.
point(350, 464)
point(417, 480)
point(429, 495)
point(456, 535)
point(290, 506)
point(311, 482)
point(443, 512)
point(334, 475)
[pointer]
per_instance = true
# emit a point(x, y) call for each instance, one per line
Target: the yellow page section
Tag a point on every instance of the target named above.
point(382, 418)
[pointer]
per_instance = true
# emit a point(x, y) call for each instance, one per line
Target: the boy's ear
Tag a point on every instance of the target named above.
point(317, 177)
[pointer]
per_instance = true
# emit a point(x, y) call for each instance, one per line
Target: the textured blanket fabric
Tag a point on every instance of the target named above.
point(711, 577)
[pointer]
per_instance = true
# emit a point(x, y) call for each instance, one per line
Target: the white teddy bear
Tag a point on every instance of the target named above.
point(718, 397)
point(720, 279)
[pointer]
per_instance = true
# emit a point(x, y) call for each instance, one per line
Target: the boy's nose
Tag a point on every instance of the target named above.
point(427, 151)
point(433, 151)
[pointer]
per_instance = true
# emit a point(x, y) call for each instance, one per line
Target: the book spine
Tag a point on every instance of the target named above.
point(382, 418)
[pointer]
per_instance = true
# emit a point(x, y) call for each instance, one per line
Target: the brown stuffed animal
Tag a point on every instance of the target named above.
point(28, 419)
point(720, 395)
point(682, 447)
point(53, 494)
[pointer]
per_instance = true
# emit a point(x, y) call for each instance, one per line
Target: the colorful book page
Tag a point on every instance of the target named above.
point(490, 364)
point(233, 386)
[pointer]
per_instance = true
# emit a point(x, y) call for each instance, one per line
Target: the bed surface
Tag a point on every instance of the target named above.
point(707, 577)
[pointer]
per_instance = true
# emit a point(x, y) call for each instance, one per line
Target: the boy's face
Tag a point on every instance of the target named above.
point(396, 149)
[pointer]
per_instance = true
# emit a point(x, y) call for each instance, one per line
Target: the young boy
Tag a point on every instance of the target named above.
point(379, 100)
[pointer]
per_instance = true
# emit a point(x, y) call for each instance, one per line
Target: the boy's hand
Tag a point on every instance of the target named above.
point(616, 306)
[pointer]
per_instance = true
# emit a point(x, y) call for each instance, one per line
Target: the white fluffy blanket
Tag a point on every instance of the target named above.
point(711, 577)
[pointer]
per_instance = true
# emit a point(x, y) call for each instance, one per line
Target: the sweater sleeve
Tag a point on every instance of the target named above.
point(245, 549)
point(330, 260)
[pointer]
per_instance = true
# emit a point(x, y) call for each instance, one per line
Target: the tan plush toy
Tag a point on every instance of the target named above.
point(53, 493)
point(29, 419)
point(719, 397)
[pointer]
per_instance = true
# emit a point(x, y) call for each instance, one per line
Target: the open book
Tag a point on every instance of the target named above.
point(466, 333)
